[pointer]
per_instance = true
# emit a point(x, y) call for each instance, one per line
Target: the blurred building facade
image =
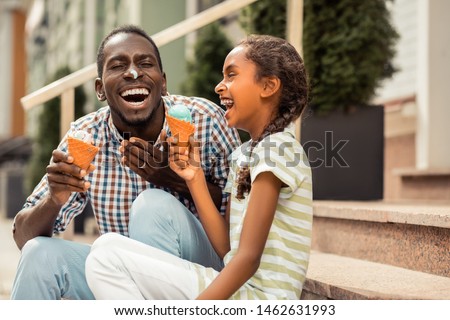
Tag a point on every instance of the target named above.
point(12, 66)
point(417, 103)
point(15, 147)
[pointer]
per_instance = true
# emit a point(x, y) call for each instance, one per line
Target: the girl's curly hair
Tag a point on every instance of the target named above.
point(274, 56)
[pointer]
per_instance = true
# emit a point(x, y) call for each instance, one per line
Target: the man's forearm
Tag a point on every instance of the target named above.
point(35, 221)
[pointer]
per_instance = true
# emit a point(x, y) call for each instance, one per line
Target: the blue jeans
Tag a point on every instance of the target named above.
point(52, 268)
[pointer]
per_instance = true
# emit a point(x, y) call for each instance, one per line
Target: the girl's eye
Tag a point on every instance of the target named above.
point(231, 75)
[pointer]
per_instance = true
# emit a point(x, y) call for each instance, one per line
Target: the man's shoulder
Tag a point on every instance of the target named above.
point(92, 119)
point(195, 104)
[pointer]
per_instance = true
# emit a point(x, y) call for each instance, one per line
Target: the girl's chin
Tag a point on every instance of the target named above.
point(231, 123)
point(229, 118)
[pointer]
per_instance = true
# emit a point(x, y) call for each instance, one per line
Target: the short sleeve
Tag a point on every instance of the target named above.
point(282, 155)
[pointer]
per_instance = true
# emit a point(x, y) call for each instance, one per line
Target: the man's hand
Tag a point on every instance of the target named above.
point(148, 161)
point(152, 164)
point(64, 177)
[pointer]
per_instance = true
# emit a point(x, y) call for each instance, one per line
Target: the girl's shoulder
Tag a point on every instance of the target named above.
point(280, 141)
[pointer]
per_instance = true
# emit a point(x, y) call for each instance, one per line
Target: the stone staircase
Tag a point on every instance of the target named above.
point(380, 250)
point(397, 248)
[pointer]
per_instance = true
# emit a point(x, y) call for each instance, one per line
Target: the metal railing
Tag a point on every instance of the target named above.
point(65, 87)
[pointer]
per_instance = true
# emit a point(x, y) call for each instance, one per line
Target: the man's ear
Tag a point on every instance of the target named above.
point(99, 90)
point(164, 85)
point(271, 85)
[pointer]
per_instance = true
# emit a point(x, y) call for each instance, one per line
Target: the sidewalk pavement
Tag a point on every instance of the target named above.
point(9, 257)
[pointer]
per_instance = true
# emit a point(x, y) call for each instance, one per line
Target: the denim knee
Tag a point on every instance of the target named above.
point(154, 205)
point(39, 253)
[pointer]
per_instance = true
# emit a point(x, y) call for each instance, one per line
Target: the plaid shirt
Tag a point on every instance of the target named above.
point(114, 186)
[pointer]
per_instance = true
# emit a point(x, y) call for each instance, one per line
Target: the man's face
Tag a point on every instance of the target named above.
point(133, 96)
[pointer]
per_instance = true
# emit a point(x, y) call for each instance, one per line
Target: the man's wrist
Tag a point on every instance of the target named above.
point(52, 204)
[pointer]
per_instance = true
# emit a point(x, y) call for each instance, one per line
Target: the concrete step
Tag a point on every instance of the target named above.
point(414, 235)
point(336, 277)
point(423, 183)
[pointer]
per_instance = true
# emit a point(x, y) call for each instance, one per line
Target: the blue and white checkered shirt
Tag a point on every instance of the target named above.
point(114, 186)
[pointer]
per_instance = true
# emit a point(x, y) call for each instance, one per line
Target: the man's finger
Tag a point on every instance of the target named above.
point(66, 182)
point(163, 140)
point(135, 148)
point(195, 159)
point(135, 156)
point(61, 156)
point(147, 151)
point(65, 169)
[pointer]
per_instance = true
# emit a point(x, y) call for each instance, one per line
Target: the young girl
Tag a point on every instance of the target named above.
point(265, 237)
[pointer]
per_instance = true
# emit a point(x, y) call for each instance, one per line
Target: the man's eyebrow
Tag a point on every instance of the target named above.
point(146, 55)
point(116, 58)
point(120, 57)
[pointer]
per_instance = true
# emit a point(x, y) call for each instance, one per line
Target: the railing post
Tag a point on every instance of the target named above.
point(294, 36)
point(67, 111)
point(67, 117)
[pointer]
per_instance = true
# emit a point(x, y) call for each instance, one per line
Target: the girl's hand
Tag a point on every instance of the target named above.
point(185, 160)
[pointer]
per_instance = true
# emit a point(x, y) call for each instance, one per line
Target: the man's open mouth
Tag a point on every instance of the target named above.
point(135, 96)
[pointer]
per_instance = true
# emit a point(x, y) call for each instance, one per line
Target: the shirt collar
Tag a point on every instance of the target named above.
point(115, 135)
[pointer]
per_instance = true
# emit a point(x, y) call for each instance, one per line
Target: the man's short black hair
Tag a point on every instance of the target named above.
point(124, 29)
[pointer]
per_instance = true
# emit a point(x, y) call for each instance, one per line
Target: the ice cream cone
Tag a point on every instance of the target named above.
point(180, 129)
point(82, 152)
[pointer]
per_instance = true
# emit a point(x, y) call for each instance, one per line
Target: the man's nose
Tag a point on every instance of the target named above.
point(132, 72)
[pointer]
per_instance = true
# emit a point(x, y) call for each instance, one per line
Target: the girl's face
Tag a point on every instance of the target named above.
point(240, 93)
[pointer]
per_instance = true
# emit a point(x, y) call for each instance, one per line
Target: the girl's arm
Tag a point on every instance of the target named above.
point(216, 227)
point(257, 222)
point(186, 163)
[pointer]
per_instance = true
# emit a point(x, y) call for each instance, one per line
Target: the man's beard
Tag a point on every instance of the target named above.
point(140, 122)
point(143, 122)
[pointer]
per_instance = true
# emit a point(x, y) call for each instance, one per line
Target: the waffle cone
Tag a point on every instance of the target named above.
point(180, 129)
point(83, 153)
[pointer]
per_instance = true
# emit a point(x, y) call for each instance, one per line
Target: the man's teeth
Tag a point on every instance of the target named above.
point(130, 92)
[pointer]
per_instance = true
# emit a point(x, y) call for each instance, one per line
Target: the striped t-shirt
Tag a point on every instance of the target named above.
point(284, 262)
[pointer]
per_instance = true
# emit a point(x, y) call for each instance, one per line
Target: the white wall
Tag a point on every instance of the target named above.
point(403, 84)
point(433, 88)
point(5, 74)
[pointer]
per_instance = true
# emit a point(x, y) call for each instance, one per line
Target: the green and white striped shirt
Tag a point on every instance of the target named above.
point(284, 262)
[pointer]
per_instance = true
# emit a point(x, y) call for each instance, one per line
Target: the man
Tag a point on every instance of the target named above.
point(131, 187)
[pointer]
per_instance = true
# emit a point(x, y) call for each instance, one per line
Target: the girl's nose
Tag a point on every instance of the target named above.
point(219, 88)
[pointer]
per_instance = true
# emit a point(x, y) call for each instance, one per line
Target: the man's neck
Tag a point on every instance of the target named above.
point(148, 131)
